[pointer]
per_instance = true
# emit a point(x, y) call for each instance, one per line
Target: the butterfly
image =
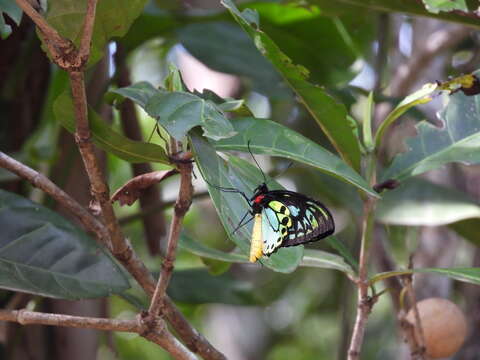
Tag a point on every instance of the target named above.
point(285, 218)
point(282, 218)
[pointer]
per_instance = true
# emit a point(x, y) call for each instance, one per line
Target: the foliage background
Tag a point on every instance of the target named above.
point(250, 312)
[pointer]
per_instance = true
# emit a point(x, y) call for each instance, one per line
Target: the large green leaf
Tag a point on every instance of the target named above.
point(42, 253)
point(311, 258)
point(471, 275)
point(326, 45)
point(268, 137)
point(11, 9)
point(178, 112)
point(106, 138)
point(232, 207)
point(113, 19)
point(457, 141)
point(329, 114)
point(198, 286)
point(418, 202)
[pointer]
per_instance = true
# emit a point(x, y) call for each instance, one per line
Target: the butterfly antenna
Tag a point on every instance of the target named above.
point(230, 190)
point(256, 162)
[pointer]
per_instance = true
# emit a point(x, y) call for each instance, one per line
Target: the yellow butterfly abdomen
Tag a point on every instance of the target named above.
point(256, 245)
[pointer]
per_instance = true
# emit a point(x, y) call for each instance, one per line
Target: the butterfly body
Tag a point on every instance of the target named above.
point(286, 218)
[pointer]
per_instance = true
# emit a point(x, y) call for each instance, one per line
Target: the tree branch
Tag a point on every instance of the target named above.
point(129, 259)
point(87, 32)
point(159, 336)
point(73, 63)
point(182, 205)
point(42, 25)
point(42, 182)
point(364, 302)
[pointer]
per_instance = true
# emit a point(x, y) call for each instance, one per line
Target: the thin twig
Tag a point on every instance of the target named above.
point(182, 205)
point(87, 32)
point(43, 25)
point(160, 336)
point(419, 348)
point(42, 182)
point(365, 303)
point(98, 185)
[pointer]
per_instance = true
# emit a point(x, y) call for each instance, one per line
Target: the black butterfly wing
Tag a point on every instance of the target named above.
point(310, 220)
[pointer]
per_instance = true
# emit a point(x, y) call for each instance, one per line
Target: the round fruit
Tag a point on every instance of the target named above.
point(444, 326)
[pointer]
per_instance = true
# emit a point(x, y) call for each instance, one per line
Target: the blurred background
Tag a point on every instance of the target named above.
point(246, 311)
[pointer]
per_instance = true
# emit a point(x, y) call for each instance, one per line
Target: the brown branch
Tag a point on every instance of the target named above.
point(42, 25)
point(365, 302)
point(159, 336)
point(42, 182)
point(182, 205)
point(87, 32)
point(417, 347)
point(98, 185)
point(129, 259)
point(121, 249)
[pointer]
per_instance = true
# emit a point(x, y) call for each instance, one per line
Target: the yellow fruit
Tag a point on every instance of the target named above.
point(444, 326)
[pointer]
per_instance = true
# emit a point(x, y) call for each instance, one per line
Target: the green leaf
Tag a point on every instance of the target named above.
point(179, 112)
point(43, 254)
point(268, 137)
point(435, 6)
point(113, 19)
point(417, 202)
point(198, 286)
point(11, 9)
point(329, 114)
point(311, 258)
point(106, 138)
point(139, 93)
point(470, 275)
point(325, 260)
point(232, 207)
point(187, 243)
point(457, 141)
point(421, 96)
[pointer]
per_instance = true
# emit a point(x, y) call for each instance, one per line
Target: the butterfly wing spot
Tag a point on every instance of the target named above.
point(278, 207)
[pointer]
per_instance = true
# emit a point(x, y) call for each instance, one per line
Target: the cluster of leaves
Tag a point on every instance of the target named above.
point(181, 112)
